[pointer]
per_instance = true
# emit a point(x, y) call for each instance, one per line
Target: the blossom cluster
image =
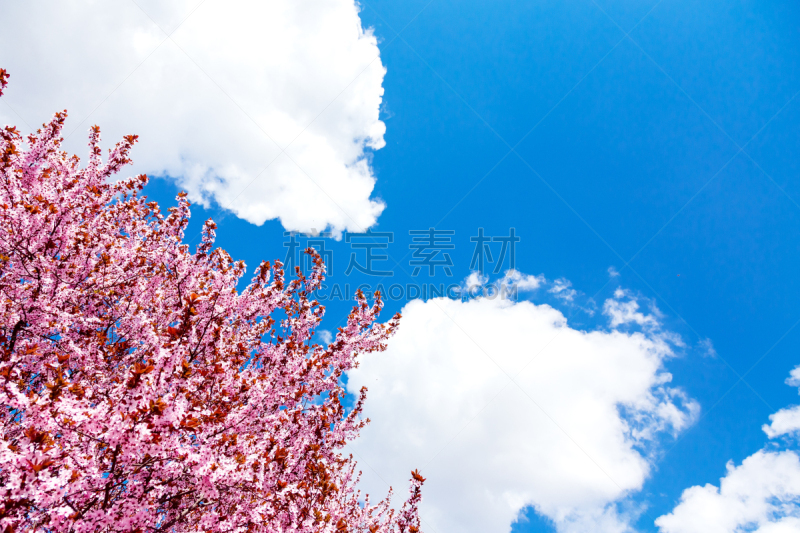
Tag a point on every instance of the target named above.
point(140, 390)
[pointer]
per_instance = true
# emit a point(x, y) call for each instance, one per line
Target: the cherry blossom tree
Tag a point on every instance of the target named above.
point(140, 390)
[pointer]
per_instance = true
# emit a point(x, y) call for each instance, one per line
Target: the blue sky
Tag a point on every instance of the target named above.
point(675, 146)
point(658, 138)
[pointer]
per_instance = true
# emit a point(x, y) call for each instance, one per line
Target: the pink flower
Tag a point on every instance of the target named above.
point(141, 391)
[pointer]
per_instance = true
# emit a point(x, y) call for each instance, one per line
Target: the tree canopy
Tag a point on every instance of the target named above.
point(141, 391)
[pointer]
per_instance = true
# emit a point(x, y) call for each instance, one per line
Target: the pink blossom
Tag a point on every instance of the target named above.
point(140, 390)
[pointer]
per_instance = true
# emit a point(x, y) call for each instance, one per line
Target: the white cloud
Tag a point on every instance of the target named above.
point(783, 422)
point(571, 435)
point(474, 281)
point(612, 272)
point(627, 311)
point(214, 105)
point(794, 377)
point(786, 420)
point(708, 347)
point(562, 289)
point(760, 495)
point(523, 282)
point(478, 285)
point(325, 336)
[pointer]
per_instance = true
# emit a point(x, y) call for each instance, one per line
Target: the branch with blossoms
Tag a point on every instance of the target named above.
point(140, 390)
